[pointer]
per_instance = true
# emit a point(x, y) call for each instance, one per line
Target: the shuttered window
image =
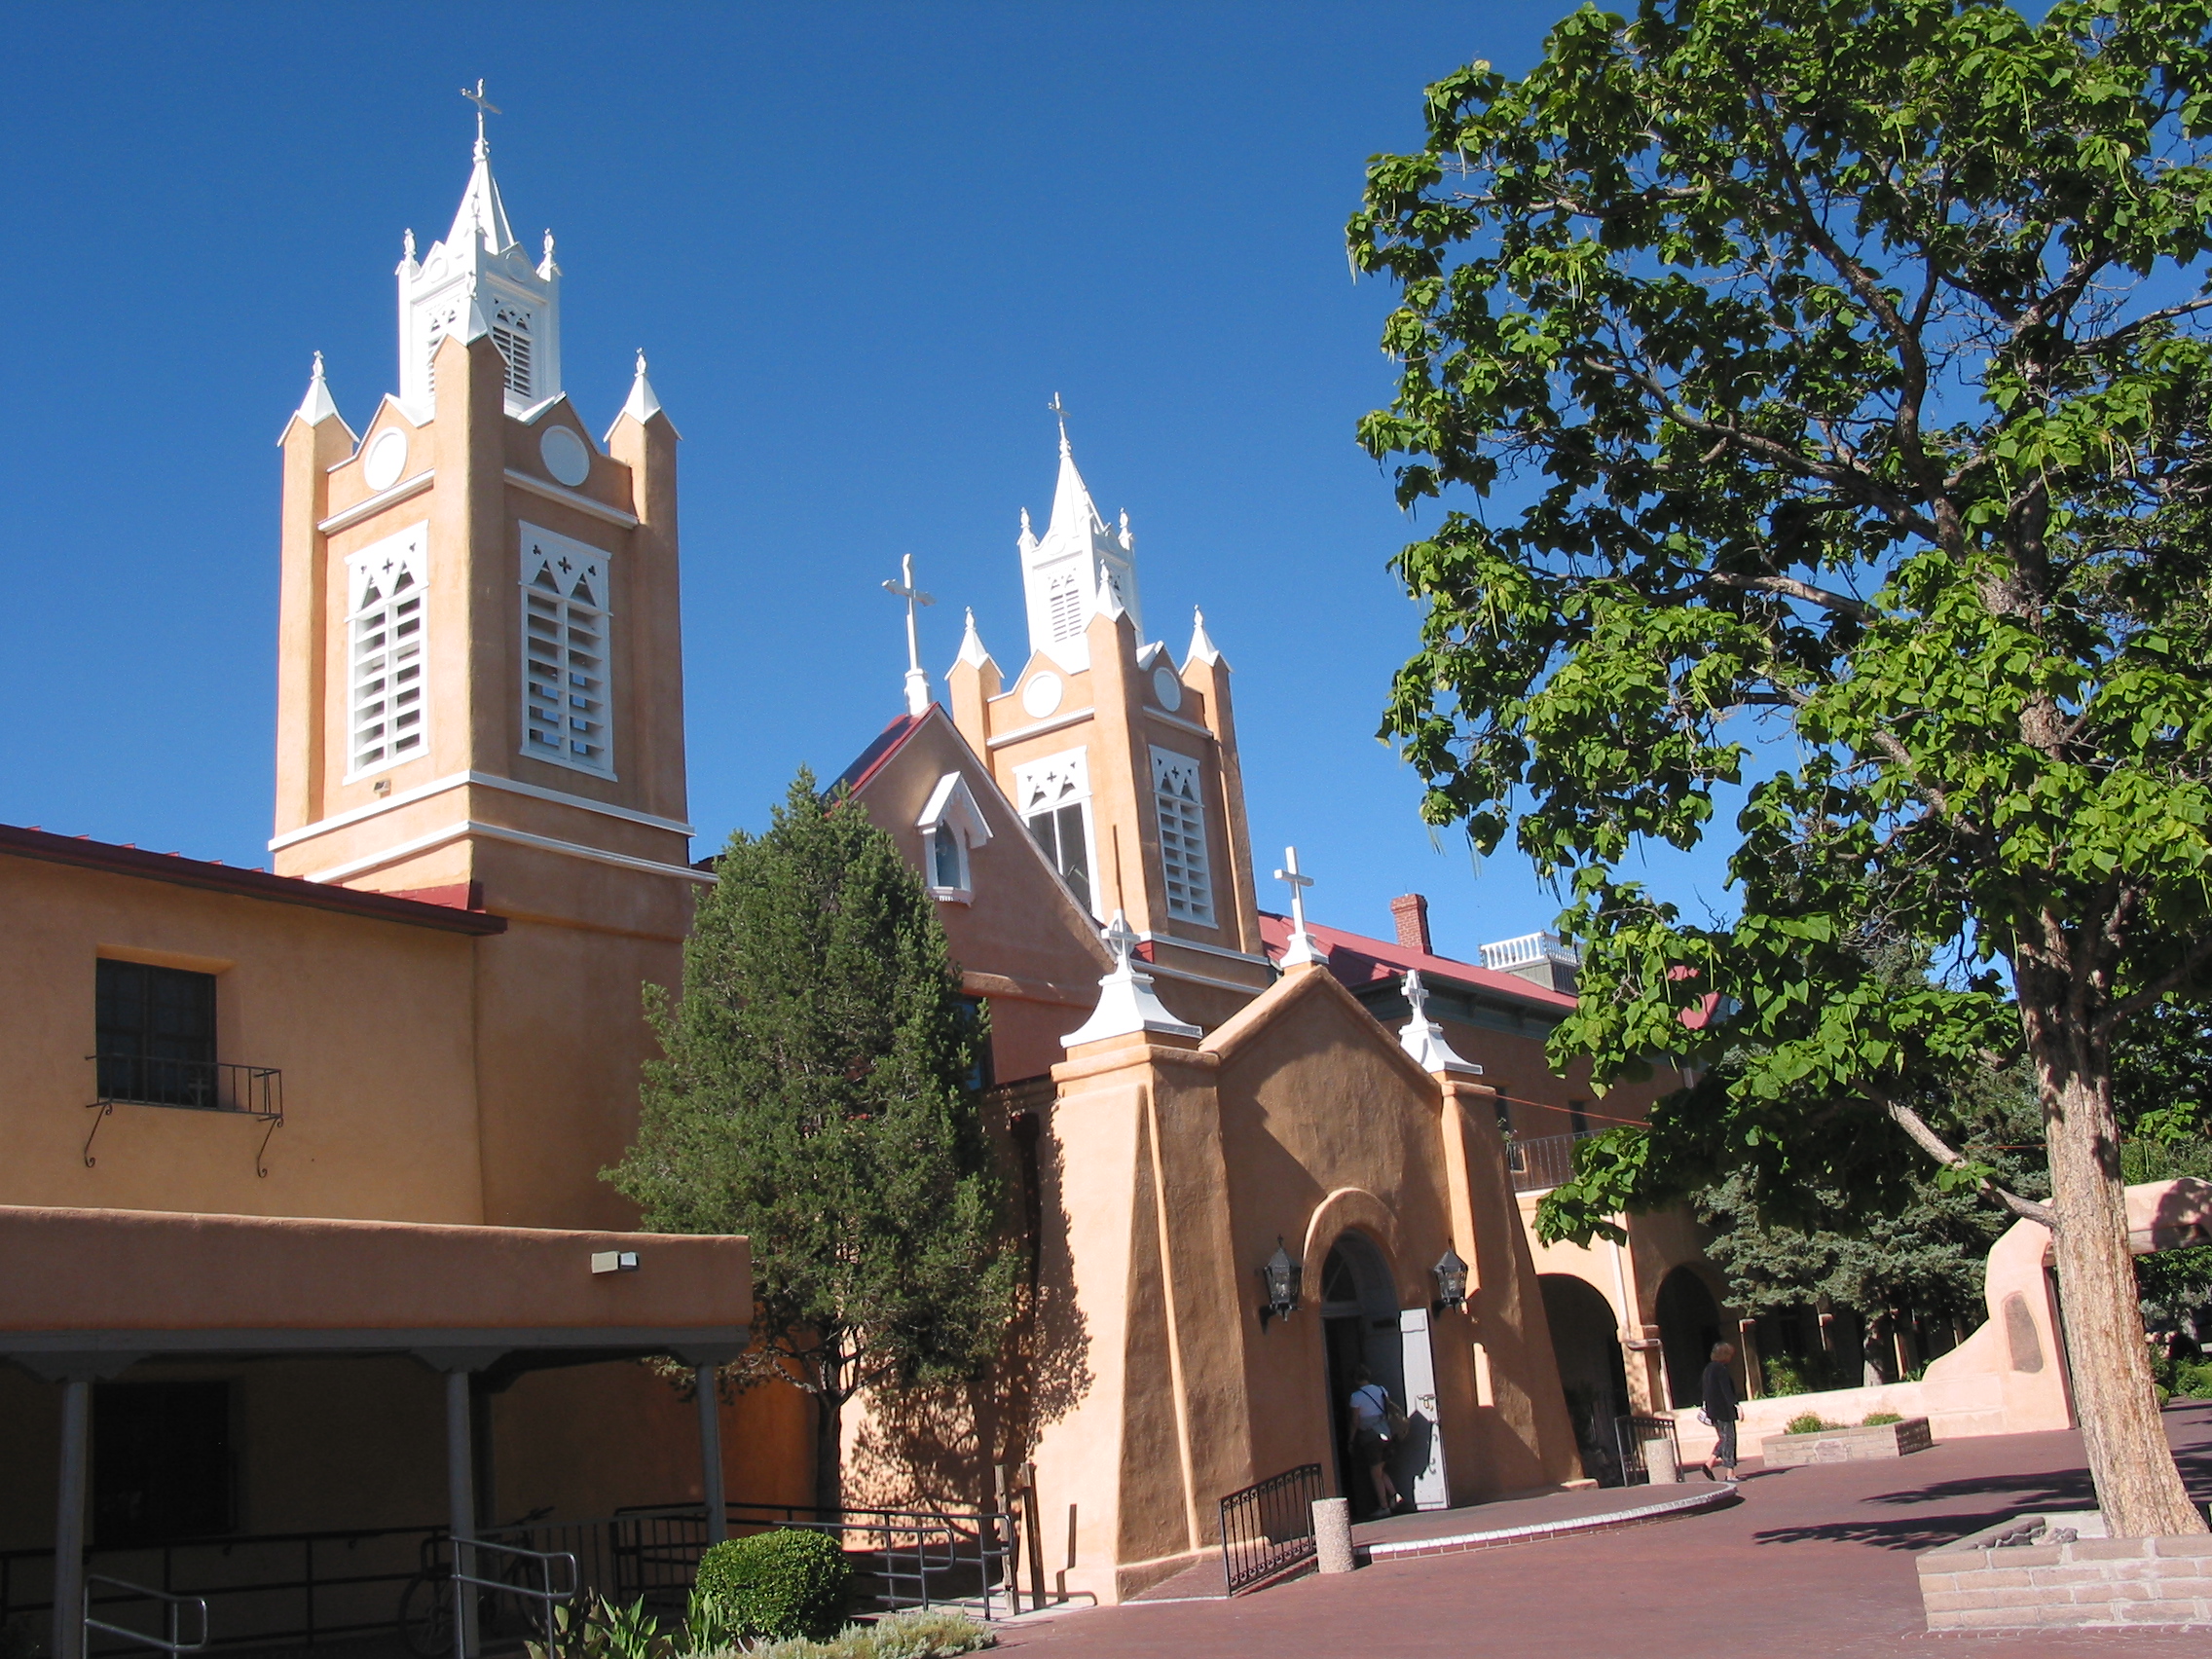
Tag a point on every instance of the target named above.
point(567, 687)
point(384, 632)
point(1175, 793)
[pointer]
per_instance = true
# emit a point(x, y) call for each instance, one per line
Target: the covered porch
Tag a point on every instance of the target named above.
point(338, 1377)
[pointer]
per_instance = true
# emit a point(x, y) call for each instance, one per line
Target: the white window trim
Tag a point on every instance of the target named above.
point(408, 549)
point(546, 548)
point(1197, 880)
point(951, 811)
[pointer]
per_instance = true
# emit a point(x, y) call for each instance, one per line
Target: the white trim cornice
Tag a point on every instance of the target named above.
point(456, 830)
point(575, 499)
point(1074, 716)
point(376, 503)
point(483, 780)
point(1182, 944)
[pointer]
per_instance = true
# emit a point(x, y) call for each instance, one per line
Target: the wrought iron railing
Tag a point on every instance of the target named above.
point(172, 1607)
point(1540, 1165)
point(1631, 1434)
point(1268, 1528)
point(195, 1086)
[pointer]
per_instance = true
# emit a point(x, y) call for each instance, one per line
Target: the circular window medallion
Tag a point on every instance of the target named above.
point(1168, 689)
point(1042, 695)
point(565, 455)
point(387, 456)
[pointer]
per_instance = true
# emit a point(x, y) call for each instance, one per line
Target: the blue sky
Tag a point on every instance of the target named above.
point(862, 245)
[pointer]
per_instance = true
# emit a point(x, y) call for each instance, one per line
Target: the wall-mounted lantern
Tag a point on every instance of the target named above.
point(1280, 1280)
point(1450, 1281)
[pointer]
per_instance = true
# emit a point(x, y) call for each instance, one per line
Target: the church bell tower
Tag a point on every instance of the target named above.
point(480, 692)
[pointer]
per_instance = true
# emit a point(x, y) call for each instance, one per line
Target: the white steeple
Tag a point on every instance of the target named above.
point(479, 280)
point(1078, 568)
point(318, 405)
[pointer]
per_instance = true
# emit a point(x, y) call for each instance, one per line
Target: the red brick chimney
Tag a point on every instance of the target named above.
point(1409, 910)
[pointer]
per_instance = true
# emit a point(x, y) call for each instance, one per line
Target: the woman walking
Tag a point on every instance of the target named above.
point(1371, 1436)
point(1720, 1390)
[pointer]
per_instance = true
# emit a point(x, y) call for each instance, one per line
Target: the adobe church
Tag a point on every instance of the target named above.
point(357, 1104)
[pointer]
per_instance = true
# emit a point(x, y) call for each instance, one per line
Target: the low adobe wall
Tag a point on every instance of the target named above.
point(2087, 1582)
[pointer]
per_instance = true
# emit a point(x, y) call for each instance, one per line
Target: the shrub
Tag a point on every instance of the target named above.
point(2194, 1377)
point(784, 1583)
point(1876, 1419)
point(1807, 1423)
point(920, 1632)
point(1784, 1376)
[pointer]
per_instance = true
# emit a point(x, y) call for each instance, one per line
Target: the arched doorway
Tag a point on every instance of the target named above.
point(1360, 1326)
point(1689, 1324)
point(1586, 1347)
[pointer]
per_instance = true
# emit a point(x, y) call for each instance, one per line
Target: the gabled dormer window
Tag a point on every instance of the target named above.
point(952, 827)
point(568, 703)
point(387, 587)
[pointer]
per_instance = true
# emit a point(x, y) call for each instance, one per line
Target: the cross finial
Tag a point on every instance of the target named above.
point(1060, 414)
point(1302, 947)
point(1122, 941)
point(917, 683)
point(1416, 996)
point(484, 107)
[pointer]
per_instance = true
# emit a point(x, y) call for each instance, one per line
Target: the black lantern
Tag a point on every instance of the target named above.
point(1450, 1281)
point(1280, 1279)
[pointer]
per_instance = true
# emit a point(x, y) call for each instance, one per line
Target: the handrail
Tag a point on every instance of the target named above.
point(545, 1559)
point(175, 1606)
point(1268, 1527)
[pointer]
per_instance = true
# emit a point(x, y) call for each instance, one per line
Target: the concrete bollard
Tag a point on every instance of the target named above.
point(1659, 1459)
point(1332, 1533)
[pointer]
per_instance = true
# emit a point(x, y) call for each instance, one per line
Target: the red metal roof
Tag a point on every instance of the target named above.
point(1359, 960)
point(180, 872)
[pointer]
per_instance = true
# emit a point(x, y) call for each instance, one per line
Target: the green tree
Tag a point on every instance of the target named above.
point(814, 1097)
point(1853, 351)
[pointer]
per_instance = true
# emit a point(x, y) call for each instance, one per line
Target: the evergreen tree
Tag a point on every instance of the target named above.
point(815, 1096)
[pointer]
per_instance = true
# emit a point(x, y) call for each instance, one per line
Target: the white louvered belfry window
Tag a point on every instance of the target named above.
point(510, 333)
point(1176, 791)
point(384, 663)
point(1063, 608)
point(567, 687)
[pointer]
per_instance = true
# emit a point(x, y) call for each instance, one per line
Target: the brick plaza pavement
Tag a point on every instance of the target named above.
point(1815, 1561)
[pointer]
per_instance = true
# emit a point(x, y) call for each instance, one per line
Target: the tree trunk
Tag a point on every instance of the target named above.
point(828, 1450)
point(2138, 1486)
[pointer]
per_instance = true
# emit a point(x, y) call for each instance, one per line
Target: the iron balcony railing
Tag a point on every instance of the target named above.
point(1540, 1165)
point(1266, 1530)
point(204, 1086)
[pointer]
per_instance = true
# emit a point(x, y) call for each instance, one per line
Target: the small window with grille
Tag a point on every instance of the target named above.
point(568, 686)
point(1175, 793)
point(384, 663)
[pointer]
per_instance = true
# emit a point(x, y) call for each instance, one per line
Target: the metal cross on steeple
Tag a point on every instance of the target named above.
point(1303, 947)
point(917, 683)
point(484, 107)
point(1416, 996)
point(1060, 414)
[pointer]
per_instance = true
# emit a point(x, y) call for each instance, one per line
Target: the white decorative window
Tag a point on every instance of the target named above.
point(388, 585)
point(952, 826)
point(1054, 799)
point(1063, 608)
point(510, 333)
point(1176, 792)
point(567, 691)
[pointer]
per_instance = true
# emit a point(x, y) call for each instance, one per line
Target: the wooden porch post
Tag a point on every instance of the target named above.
point(711, 1455)
point(460, 1501)
point(69, 1521)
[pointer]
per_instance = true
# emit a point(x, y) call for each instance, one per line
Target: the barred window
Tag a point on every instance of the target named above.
point(1182, 812)
point(384, 663)
point(567, 688)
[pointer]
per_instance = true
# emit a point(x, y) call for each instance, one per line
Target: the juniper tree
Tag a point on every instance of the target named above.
point(1852, 352)
point(814, 1095)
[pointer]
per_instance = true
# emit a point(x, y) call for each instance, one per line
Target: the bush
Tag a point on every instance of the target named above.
point(920, 1632)
point(1809, 1422)
point(1876, 1419)
point(784, 1583)
point(1784, 1376)
point(2194, 1377)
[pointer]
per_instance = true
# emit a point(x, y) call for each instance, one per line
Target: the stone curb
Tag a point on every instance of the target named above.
point(1721, 1496)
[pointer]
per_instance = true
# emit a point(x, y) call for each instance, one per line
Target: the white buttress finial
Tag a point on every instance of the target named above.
point(641, 350)
point(917, 683)
point(1303, 947)
point(1424, 1039)
point(548, 259)
point(1126, 1001)
point(407, 245)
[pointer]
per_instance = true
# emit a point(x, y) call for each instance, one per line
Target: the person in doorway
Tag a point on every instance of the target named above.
point(1370, 1404)
point(1720, 1390)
